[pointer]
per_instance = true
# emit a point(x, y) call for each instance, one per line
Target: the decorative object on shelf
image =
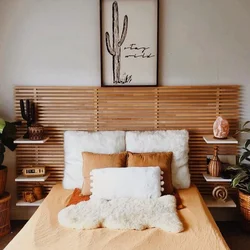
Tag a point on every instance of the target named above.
point(129, 57)
point(38, 192)
point(33, 171)
point(214, 166)
point(28, 196)
point(241, 178)
point(220, 193)
point(28, 113)
point(221, 128)
point(36, 132)
point(5, 214)
point(216, 199)
point(7, 137)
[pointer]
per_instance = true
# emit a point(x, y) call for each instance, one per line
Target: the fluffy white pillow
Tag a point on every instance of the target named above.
point(135, 182)
point(175, 141)
point(76, 142)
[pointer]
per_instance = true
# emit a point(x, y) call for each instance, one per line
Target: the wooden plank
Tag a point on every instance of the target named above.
point(126, 108)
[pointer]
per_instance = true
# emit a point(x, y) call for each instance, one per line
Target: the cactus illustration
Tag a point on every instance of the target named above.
point(115, 51)
point(28, 114)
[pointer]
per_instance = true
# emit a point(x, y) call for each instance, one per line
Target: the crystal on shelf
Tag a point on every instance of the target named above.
point(221, 128)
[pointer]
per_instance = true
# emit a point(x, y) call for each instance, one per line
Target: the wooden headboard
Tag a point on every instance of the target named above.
point(126, 108)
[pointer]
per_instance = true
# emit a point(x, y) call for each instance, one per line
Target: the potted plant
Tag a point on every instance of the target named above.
point(7, 137)
point(240, 174)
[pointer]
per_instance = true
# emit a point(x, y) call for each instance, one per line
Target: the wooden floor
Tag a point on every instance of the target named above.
point(16, 226)
point(235, 237)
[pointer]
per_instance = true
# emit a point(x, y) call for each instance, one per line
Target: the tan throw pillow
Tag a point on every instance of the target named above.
point(92, 161)
point(163, 160)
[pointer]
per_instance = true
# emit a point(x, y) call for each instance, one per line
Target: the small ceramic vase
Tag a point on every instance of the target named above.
point(214, 166)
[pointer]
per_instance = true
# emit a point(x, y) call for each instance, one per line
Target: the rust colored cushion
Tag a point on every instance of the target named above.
point(163, 160)
point(92, 161)
point(179, 204)
point(77, 197)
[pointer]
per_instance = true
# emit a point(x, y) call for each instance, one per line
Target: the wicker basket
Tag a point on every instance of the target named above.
point(36, 132)
point(245, 209)
point(5, 214)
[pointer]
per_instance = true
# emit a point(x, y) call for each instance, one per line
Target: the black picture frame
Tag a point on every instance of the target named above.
point(142, 57)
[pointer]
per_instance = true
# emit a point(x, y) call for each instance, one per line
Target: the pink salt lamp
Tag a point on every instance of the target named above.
point(221, 128)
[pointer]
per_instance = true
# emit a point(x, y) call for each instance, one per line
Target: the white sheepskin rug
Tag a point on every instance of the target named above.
point(123, 213)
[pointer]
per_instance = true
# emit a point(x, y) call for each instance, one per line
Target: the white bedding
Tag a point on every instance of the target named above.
point(109, 142)
point(76, 142)
point(175, 141)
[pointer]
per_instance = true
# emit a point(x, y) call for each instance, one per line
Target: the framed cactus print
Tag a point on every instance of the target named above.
point(129, 42)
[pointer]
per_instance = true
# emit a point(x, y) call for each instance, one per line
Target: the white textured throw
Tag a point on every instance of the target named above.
point(76, 142)
point(175, 141)
point(133, 182)
point(123, 213)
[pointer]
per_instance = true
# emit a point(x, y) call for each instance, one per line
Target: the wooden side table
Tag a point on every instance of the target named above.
point(5, 214)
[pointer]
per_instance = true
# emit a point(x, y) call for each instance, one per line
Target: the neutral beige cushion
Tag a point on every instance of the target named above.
point(92, 161)
point(163, 160)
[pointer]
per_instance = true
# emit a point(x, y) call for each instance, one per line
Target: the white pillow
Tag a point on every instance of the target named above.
point(76, 142)
point(175, 141)
point(132, 182)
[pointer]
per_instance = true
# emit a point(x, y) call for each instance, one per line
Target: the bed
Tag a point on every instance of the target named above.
point(43, 230)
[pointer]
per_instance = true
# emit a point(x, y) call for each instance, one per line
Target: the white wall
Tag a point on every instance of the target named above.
point(56, 42)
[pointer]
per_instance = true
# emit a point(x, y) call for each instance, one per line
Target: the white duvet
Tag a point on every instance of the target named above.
point(123, 213)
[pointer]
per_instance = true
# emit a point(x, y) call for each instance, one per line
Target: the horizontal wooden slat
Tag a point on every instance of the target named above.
point(126, 108)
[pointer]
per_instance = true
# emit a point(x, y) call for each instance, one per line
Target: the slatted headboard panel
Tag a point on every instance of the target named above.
point(126, 108)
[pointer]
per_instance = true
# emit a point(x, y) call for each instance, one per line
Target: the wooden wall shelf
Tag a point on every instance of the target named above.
point(22, 203)
point(22, 178)
point(28, 141)
point(209, 139)
point(210, 178)
point(211, 202)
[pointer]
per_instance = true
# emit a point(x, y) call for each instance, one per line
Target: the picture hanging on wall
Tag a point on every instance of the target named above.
point(129, 42)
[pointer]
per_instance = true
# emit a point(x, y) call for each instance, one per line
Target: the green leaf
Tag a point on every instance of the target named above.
point(234, 168)
point(239, 177)
point(248, 187)
point(2, 150)
point(247, 143)
point(9, 135)
point(9, 130)
point(247, 122)
point(244, 156)
point(244, 130)
point(248, 159)
point(2, 125)
point(246, 149)
point(244, 190)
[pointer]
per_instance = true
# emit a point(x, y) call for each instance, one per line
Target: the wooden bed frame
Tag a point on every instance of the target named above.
point(126, 108)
